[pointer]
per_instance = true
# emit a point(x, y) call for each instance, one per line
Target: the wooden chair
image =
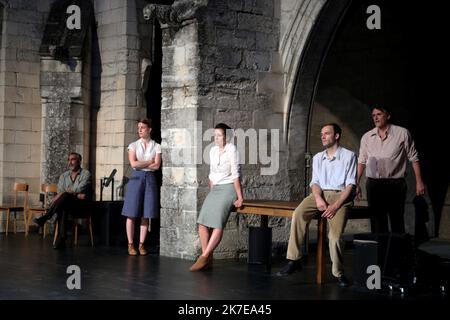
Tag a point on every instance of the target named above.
point(85, 213)
point(49, 189)
point(15, 207)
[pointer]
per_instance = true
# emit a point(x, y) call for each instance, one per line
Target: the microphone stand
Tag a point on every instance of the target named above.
point(101, 189)
point(112, 190)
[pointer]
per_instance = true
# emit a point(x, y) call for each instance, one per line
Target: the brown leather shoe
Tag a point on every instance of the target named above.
point(209, 263)
point(142, 250)
point(199, 264)
point(131, 250)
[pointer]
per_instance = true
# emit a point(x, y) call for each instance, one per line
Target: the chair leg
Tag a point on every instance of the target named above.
point(76, 235)
point(28, 217)
point(90, 232)
point(56, 233)
point(7, 220)
point(25, 222)
point(44, 230)
point(15, 223)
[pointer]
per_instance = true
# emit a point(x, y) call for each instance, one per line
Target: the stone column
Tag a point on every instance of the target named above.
point(65, 116)
point(180, 189)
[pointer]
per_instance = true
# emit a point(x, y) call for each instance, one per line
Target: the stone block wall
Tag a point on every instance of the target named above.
point(179, 113)
point(65, 94)
point(240, 86)
point(117, 83)
point(20, 102)
point(222, 67)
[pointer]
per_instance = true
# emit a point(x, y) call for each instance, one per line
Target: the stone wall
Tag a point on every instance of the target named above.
point(65, 115)
point(219, 68)
point(239, 54)
point(20, 103)
point(117, 83)
point(179, 200)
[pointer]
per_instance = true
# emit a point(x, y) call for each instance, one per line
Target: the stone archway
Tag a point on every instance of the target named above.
point(309, 68)
point(399, 72)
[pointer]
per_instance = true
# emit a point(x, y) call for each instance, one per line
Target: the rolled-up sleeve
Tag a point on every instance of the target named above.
point(362, 158)
point(351, 171)
point(158, 148)
point(132, 146)
point(61, 187)
point(410, 147)
point(85, 183)
point(234, 163)
point(315, 170)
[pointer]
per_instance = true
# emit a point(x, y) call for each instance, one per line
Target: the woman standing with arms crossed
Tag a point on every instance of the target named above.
point(225, 191)
point(141, 199)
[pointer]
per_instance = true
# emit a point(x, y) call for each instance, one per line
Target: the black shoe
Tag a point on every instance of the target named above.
point(342, 281)
point(59, 244)
point(291, 267)
point(40, 221)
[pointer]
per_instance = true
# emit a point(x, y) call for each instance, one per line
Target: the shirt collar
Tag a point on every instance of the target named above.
point(389, 131)
point(337, 155)
point(225, 148)
point(142, 141)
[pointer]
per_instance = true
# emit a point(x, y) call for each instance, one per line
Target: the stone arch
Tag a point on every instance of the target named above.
point(410, 81)
point(294, 39)
point(309, 61)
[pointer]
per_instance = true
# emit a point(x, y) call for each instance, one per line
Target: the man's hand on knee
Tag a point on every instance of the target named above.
point(330, 211)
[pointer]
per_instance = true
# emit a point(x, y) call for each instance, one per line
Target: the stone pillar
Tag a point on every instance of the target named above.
point(181, 67)
point(179, 198)
point(65, 115)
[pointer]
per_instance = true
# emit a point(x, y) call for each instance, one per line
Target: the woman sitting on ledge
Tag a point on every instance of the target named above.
point(225, 191)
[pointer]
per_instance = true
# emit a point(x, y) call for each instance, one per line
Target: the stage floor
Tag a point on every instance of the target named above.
point(31, 269)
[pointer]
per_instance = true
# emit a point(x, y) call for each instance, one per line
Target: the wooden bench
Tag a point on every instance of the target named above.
point(275, 208)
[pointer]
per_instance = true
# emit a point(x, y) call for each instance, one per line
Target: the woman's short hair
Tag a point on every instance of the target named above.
point(223, 127)
point(146, 121)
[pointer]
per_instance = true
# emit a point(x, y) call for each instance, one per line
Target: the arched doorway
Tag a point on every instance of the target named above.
point(152, 98)
point(348, 68)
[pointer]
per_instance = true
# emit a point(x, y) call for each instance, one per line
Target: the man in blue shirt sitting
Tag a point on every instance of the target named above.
point(333, 183)
point(74, 189)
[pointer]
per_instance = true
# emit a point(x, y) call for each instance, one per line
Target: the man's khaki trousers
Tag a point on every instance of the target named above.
point(301, 218)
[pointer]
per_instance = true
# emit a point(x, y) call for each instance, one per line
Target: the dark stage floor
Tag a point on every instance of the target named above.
point(31, 269)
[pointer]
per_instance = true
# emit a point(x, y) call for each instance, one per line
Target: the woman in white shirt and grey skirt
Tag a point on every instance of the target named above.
point(225, 191)
point(141, 199)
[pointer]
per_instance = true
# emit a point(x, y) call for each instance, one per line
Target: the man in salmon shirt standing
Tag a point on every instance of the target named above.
point(384, 153)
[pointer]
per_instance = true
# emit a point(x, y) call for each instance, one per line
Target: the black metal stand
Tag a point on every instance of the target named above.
point(102, 186)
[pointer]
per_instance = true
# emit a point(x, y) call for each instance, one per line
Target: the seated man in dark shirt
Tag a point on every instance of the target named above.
point(74, 189)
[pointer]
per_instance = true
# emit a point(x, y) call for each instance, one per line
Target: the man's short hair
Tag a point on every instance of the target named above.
point(77, 155)
point(336, 128)
point(382, 108)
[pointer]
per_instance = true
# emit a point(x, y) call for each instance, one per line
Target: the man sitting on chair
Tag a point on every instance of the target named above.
point(74, 188)
point(333, 183)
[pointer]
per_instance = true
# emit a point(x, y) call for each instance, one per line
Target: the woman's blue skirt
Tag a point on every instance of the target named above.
point(141, 198)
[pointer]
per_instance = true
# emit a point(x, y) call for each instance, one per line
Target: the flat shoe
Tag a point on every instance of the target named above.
point(199, 264)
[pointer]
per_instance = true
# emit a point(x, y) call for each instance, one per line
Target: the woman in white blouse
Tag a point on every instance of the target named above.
point(141, 199)
point(225, 191)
